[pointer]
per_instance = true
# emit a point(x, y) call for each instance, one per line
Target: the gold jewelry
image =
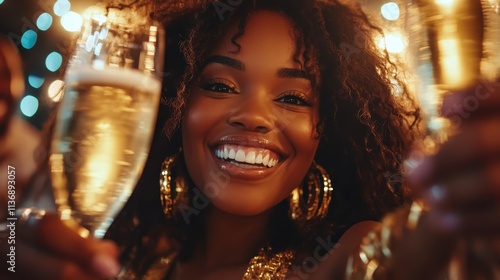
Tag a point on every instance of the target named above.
point(265, 266)
point(318, 188)
point(375, 250)
point(268, 266)
point(173, 186)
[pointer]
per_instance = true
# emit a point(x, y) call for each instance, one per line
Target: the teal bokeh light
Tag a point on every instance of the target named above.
point(29, 38)
point(53, 61)
point(29, 106)
point(35, 81)
point(44, 21)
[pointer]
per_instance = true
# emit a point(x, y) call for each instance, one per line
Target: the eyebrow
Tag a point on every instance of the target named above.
point(292, 73)
point(224, 60)
point(239, 65)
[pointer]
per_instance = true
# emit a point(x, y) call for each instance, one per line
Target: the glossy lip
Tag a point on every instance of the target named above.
point(247, 141)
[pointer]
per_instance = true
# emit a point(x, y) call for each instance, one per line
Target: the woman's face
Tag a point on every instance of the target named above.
point(249, 132)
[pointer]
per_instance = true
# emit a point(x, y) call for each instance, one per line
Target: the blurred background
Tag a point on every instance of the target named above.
point(43, 30)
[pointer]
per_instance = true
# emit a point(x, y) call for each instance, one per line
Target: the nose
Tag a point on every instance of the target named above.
point(252, 113)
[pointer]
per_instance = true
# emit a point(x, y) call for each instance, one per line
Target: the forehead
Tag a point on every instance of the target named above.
point(268, 38)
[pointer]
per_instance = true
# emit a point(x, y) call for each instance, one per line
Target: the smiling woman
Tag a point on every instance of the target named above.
point(283, 141)
point(277, 148)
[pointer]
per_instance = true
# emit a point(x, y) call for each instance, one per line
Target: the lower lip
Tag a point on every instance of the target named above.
point(243, 173)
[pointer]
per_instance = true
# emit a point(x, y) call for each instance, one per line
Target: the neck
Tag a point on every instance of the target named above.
point(231, 240)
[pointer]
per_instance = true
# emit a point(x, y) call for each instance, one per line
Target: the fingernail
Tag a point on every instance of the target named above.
point(106, 266)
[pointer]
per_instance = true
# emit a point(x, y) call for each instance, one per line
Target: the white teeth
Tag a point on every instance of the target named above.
point(232, 154)
point(265, 160)
point(226, 153)
point(258, 160)
point(250, 158)
point(240, 156)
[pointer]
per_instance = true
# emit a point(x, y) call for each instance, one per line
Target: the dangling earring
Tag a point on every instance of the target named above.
point(318, 188)
point(173, 185)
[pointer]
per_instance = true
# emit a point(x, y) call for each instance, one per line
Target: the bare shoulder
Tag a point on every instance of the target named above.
point(353, 236)
point(333, 267)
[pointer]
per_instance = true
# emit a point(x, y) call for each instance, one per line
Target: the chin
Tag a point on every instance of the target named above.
point(243, 206)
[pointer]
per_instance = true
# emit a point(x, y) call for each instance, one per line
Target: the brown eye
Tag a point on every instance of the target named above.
point(220, 86)
point(293, 99)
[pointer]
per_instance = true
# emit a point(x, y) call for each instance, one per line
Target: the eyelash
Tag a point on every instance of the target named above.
point(229, 87)
point(302, 101)
point(299, 99)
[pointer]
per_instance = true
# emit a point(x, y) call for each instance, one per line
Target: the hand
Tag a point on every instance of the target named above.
point(461, 184)
point(462, 181)
point(49, 249)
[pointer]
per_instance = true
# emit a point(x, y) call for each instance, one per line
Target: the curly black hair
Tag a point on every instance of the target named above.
point(366, 129)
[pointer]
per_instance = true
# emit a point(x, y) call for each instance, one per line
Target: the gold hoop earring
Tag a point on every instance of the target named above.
point(173, 185)
point(317, 186)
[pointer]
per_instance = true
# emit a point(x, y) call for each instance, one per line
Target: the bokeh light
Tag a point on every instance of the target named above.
point(44, 21)
point(446, 3)
point(35, 81)
point(394, 43)
point(61, 7)
point(29, 38)
point(390, 11)
point(71, 21)
point(29, 106)
point(1, 1)
point(55, 91)
point(53, 61)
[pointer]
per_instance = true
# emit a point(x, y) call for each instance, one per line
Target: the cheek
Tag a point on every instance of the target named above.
point(301, 134)
point(196, 127)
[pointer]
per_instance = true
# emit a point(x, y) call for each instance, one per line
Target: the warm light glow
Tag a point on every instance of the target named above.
point(394, 43)
point(451, 66)
point(55, 91)
point(97, 168)
point(71, 21)
point(390, 11)
point(445, 3)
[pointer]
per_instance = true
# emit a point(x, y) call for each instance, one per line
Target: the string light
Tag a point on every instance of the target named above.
point(29, 106)
point(35, 81)
point(61, 7)
point(44, 21)
point(53, 61)
point(390, 11)
point(29, 38)
point(394, 43)
point(55, 91)
point(71, 21)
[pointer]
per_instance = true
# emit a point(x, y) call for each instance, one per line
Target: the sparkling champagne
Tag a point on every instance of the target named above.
point(101, 142)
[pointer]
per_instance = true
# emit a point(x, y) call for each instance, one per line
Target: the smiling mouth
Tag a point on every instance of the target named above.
point(247, 157)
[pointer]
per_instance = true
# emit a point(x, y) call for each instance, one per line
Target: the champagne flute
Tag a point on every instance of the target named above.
point(459, 41)
point(105, 122)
